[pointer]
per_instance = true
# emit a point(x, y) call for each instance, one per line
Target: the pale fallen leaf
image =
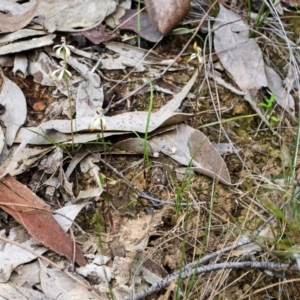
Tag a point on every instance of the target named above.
point(66, 184)
point(41, 69)
point(282, 97)
point(52, 162)
point(26, 158)
point(239, 55)
point(129, 121)
point(57, 285)
point(12, 255)
point(71, 212)
point(26, 274)
point(27, 45)
point(20, 34)
point(138, 54)
point(12, 98)
point(78, 156)
point(90, 194)
point(130, 56)
point(36, 136)
point(190, 147)
point(76, 15)
point(11, 291)
point(9, 23)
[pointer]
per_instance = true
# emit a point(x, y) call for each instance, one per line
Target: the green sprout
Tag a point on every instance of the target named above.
point(267, 104)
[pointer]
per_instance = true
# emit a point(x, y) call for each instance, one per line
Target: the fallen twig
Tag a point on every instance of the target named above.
point(209, 268)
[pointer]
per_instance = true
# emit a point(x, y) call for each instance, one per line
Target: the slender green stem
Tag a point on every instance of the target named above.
point(139, 23)
point(71, 109)
point(146, 155)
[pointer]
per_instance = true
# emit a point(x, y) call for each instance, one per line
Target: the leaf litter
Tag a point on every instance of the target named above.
point(100, 180)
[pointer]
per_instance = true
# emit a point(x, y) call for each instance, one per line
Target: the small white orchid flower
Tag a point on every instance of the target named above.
point(63, 49)
point(98, 120)
point(197, 53)
point(62, 68)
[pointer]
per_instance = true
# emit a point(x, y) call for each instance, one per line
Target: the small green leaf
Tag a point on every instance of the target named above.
point(262, 104)
point(274, 119)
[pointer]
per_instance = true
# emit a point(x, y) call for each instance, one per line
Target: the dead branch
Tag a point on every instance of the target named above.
point(209, 268)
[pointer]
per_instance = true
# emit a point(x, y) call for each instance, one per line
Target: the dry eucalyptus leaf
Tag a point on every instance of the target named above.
point(10, 23)
point(130, 56)
point(12, 98)
point(26, 159)
point(282, 97)
point(11, 291)
point(99, 35)
point(113, 19)
point(190, 147)
point(89, 194)
point(145, 28)
point(133, 146)
point(239, 55)
point(41, 70)
point(36, 218)
point(56, 284)
point(129, 121)
point(76, 15)
point(26, 274)
point(27, 45)
point(138, 54)
point(66, 184)
point(20, 34)
point(52, 162)
point(12, 255)
point(165, 15)
point(69, 211)
point(35, 136)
